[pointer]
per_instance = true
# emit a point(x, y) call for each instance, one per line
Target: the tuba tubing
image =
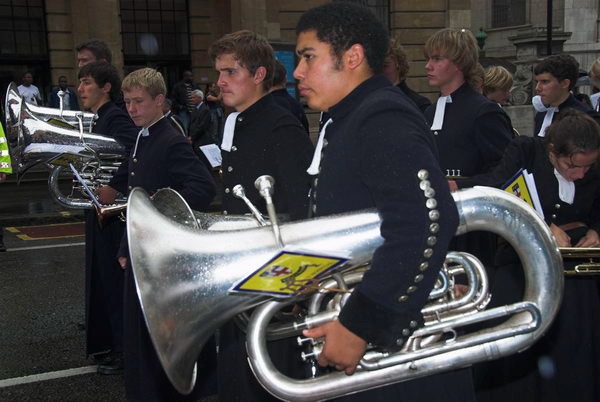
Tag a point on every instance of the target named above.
point(479, 209)
point(183, 277)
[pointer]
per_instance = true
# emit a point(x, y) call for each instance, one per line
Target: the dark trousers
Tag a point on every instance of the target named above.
point(563, 364)
point(236, 380)
point(145, 379)
point(104, 285)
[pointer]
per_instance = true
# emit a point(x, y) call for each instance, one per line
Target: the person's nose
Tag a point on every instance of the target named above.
point(299, 71)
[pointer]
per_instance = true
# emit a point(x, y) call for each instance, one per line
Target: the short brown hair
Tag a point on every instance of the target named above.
point(497, 77)
point(457, 45)
point(399, 57)
point(147, 79)
point(250, 49)
point(98, 48)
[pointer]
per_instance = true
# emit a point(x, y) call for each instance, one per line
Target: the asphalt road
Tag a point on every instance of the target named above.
point(42, 349)
point(41, 305)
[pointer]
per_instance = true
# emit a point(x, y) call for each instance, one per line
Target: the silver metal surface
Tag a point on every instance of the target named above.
point(183, 277)
point(239, 192)
point(13, 104)
point(479, 209)
point(37, 135)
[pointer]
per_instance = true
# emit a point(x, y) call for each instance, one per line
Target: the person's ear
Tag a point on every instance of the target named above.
point(260, 74)
point(354, 56)
point(106, 88)
point(159, 100)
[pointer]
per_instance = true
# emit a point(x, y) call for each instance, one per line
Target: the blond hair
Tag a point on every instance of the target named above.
point(457, 45)
point(497, 77)
point(147, 79)
point(596, 68)
point(399, 57)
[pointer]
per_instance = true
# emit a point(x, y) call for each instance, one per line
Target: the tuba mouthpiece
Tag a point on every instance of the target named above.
point(239, 192)
point(264, 184)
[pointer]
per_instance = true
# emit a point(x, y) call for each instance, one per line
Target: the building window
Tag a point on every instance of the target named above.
point(507, 13)
point(381, 8)
point(23, 29)
point(154, 28)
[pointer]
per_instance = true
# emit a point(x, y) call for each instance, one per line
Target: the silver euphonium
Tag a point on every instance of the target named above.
point(57, 138)
point(183, 277)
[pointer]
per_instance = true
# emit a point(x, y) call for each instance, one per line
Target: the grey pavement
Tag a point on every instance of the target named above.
point(42, 303)
point(29, 203)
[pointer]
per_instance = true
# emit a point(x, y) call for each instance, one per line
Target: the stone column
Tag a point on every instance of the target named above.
point(98, 20)
point(60, 41)
point(250, 15)
point(412, 23)
point(459, 14)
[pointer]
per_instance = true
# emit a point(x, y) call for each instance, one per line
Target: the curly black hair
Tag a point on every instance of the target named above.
point(342, 25)
point(561, 66)
point(103, 72)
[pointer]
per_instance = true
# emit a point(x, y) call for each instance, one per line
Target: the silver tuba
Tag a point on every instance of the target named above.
point(183, 277)
point(58, 138)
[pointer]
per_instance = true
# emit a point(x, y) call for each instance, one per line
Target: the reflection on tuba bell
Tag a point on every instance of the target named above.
point(183, 277)
point(56, 138)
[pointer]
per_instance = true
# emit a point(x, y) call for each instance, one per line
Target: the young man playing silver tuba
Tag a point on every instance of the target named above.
point(376, 151)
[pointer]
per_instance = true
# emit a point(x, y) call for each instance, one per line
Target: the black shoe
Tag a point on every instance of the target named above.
point(103, 358)
point(113, 367)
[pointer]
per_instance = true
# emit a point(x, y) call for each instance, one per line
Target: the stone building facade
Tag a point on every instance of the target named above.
point(174, 35)
point(518, 38)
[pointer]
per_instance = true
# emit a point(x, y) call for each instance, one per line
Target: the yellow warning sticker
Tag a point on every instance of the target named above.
point(289, 273)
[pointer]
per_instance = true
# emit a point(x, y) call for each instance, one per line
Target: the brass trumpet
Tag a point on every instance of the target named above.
point(171, 202)
point(590, 267)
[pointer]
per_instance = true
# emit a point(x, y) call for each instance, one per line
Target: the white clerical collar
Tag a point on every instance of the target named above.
point(566, 188)
point(313, 169)
point(594, 98)
point(536, 101)
point(229, 131)
point(144, 132)
point(440, 109)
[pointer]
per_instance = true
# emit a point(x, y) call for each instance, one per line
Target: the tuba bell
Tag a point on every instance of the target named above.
point(57, 138)
point(183, 277)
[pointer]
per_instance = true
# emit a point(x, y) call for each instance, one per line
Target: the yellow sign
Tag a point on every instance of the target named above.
point(519, 188)
point(288, 274)
point(64, 159)
point(60, 123)
point(522, 185)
